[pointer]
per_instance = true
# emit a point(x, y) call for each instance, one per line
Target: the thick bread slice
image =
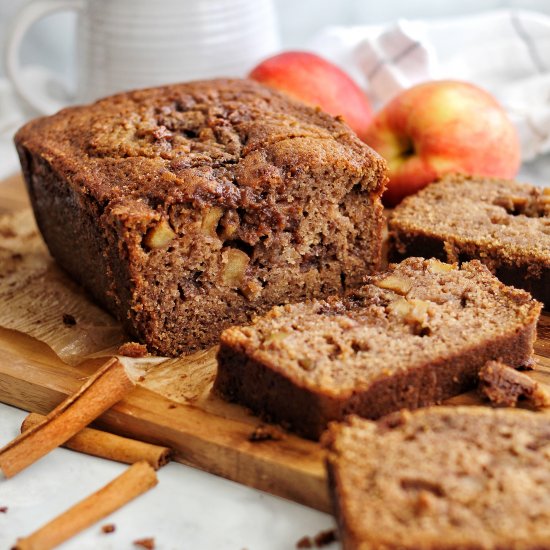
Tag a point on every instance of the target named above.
point(505, 224)
point(411, 337)
point(444, 478)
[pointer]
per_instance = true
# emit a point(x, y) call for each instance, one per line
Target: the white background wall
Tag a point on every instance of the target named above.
point(50, 41)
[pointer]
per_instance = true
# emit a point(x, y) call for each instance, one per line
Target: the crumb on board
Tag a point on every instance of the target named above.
point(324, 538)
point(321, 539)
point(504, 386)
point(7, 232)
point(172, 406)
point(69, 320)
point(265, 433)
point(108, 528)
point(3, 509)
point(133, 349)
point(147, 543)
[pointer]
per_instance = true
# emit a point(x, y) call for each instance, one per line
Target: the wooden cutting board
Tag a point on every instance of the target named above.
point(206, 432)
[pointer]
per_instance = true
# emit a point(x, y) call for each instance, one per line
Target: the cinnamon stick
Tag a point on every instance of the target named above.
point(101, 391)
point(107, 445)
point(137, 479)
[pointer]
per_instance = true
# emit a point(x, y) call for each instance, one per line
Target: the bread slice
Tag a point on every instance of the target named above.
point(411, 337)
point(442, 478)
point(503, 223)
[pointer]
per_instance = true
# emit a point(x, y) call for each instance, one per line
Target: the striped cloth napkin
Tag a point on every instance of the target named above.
point(505, 52)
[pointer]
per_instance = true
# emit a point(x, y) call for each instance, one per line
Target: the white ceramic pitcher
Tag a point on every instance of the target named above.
point(126, 44)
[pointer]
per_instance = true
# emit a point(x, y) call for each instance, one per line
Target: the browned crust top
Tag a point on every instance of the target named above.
point(219, 140)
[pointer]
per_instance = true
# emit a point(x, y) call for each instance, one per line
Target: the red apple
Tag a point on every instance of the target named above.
point(316, 81)
point(439, 127)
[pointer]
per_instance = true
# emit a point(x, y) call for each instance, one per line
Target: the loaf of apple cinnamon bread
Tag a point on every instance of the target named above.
point(187, 208)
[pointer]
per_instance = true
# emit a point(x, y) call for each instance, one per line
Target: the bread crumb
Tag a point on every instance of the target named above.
point(265, 433)
point(504, 386)
point(69, 320)
point(108, 528)
point(7, 232)
point(132, 349)
point(172, 406)
point(147, 543)
point(323, 538)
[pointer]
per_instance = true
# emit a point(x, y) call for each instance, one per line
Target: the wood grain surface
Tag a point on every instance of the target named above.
point(204, 432)
point(12, 194)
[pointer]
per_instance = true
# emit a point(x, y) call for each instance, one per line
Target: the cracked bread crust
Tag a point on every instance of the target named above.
point(442, 478)
point(187, 208)
point(412, 337)
point(504, 224)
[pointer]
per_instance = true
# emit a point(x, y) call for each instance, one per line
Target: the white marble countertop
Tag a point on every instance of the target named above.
point(187, 509)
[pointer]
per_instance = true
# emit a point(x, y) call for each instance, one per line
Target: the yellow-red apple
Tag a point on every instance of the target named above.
point(439, 127)
point(316, 81)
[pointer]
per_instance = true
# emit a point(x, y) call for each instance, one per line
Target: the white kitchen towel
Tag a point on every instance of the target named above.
point(505, 52)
